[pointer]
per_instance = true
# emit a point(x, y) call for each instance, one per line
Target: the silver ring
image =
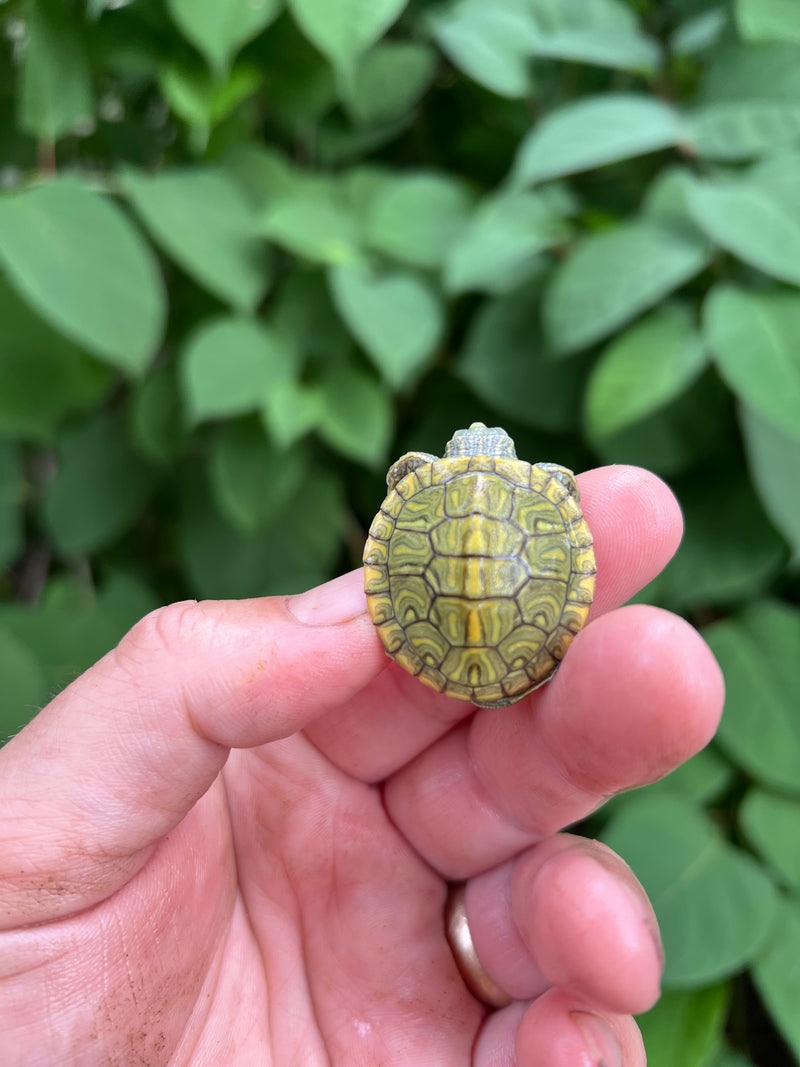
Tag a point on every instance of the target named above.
point(461, 945)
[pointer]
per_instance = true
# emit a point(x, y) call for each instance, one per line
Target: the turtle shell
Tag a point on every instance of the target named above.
point(479, 571)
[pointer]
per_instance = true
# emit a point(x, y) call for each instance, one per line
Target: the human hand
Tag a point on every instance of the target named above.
point(229, 842)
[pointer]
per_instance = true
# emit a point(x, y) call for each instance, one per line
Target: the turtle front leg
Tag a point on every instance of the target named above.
point(407, 463)
point(564, 475)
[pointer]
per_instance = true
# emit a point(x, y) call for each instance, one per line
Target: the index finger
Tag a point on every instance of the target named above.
point(636, 524)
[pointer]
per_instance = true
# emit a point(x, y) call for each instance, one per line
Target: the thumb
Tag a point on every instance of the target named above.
point(119, 757)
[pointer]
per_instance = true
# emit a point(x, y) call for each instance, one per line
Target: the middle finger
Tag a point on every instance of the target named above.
point(638, 694)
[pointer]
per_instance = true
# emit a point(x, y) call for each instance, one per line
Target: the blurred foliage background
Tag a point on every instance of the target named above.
point(253, 251)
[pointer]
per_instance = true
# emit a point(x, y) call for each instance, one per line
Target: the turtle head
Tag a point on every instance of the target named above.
point(481, 440)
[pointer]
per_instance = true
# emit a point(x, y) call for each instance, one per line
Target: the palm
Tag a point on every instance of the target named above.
point(301, 925)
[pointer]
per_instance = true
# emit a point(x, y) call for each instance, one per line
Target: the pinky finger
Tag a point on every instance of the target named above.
point(557, 1031)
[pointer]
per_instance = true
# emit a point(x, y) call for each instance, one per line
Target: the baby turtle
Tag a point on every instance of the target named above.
point(479, 568)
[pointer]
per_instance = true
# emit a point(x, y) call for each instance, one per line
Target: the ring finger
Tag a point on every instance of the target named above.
point(568, 931)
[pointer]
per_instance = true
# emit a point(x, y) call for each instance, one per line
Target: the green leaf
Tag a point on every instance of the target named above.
point(685, 1027)
point(743, 129)
point(57, 241)
point(415, 218)
point(768, 20)
point(738, 71)
point(501, 245)
point(300, 83)
point(304, 314)
point(753, 338)
point(55, 90)
point(291, 411)
point(357, 418)
point(123, 599)
point(396, 317)
point(602, 32)
point(777, 976)
point(203, 101)
point(391, 79)
point(340, 142)
point(99, 490)
point(770, 824)
point(218, 30)
point(345, 30)
point(719, 561)
point(251, 479)
point(729, 1058)
point(72, 625)
point(313, 221)
point(229, 365)
point(774, 461)
point(714, 904)
point(665, 198)
point(505, 363)
point(699, 32)
point(32, 353)
point(751, 223)
point(263, 173)
point(362, 185)
point(678, 437)
point(592, 132)
point(611, 276)
point(778, 177)
point(702, 778)
point(642, 370)
point(24, 687)
point(293, 553)
point(489, 42)
point(223, 252)
point(159, 427)
point(12, 496)
point(760, 729)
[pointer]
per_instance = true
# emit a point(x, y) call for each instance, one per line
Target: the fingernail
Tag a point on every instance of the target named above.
point(600, 1040)
point(337, 601)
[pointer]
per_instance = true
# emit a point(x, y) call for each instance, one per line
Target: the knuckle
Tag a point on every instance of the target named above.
point(165, 632)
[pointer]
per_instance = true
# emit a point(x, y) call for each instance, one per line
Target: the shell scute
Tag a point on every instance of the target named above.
point(376, 580)
point(410, 551)
point(522, 644)
point(475, 667)
point(428, 643)
point(378, 553)
point(548, 555)
point(475, 577)
point(422, 511)
point(513, 470)
point(382, 526)
point(463, 624)
point(477, 535)
point(411, 598)
point(478, 493)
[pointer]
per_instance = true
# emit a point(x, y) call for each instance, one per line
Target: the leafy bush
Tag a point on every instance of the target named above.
point(252, 252)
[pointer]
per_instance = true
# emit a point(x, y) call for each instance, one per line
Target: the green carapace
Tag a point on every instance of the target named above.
point(479, 568)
